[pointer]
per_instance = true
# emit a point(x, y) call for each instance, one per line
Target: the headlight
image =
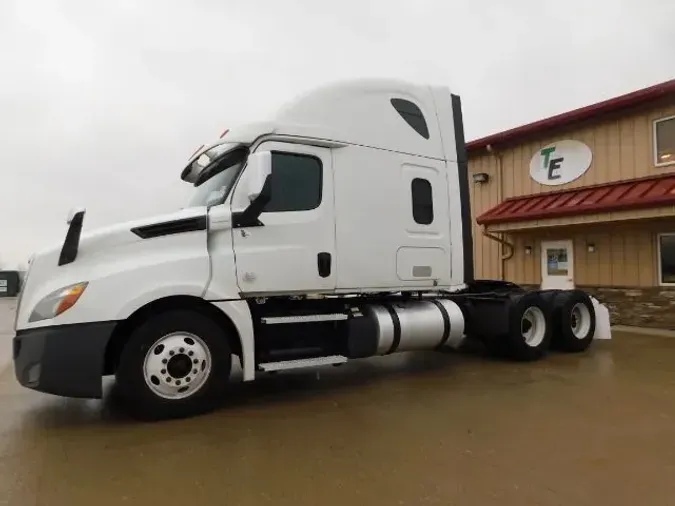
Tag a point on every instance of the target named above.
point(57, 302)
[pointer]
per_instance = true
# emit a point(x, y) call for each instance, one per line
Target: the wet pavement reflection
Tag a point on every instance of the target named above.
point(408, 429)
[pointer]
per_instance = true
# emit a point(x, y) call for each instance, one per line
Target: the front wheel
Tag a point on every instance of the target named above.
point(175, 364)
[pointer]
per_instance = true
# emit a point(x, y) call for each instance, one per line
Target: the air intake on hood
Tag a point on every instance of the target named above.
point(171, 227)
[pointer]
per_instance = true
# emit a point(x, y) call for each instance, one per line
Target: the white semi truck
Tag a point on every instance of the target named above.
point(339, 230)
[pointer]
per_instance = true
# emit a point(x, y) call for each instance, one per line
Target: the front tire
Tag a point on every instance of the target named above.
point(175, 364)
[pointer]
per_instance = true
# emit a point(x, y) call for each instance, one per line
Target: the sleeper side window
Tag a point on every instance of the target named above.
point(412, 115)
point(422, 201)
point(297, 182)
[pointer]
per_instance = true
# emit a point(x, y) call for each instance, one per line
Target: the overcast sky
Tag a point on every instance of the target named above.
point(102, 102)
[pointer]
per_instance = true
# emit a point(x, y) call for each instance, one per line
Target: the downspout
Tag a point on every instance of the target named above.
point(503, 242)
point(508, 254)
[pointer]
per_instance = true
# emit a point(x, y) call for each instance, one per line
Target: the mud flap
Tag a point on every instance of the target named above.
point(603, 329)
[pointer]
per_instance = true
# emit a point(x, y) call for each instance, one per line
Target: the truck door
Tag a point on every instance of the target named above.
point(293, 251)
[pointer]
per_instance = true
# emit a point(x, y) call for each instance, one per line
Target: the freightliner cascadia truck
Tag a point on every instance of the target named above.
point(338, 230)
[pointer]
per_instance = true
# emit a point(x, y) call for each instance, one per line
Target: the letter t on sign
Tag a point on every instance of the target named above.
point(546, 153)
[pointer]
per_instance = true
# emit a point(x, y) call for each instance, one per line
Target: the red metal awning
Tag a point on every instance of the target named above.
point(621, 196)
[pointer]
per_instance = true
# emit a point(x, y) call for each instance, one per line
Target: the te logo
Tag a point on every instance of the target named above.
point(552, 165)
point(560, 162)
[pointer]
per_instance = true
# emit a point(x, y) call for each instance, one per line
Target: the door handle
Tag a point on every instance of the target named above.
point(244, 232)
point(323, 263)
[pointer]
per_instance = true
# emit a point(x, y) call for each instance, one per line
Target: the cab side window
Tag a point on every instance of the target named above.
point(296, 181)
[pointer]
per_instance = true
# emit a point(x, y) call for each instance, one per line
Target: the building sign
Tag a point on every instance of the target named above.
point(560, 163)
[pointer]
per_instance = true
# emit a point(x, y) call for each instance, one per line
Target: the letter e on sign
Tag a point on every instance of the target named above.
point(560, 163)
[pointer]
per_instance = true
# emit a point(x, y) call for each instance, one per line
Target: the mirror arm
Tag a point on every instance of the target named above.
point(249, 216)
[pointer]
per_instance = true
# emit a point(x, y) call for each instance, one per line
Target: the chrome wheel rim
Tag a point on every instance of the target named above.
point(533, 326)
point(177, 365)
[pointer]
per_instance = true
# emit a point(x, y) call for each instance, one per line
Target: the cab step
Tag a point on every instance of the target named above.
point(303, 362)
point(308, 318)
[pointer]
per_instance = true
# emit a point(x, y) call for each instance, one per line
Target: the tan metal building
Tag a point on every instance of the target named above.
point(585, 199)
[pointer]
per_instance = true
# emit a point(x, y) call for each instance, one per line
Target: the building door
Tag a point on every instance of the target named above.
point(557, 265)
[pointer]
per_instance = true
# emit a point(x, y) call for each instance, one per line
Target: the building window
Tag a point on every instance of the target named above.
point(666, 249)
point(412, 115)
point(296, 183)
point(664, 141)
point(422, 201)
point(557, 263)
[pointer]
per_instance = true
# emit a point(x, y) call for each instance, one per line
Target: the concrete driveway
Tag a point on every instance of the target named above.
point(413, 429)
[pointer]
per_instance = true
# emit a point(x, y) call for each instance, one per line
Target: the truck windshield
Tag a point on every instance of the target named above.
point(215, 179)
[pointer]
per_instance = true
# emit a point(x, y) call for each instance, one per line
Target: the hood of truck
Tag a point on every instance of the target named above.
point(102, 239)
point(122, 262)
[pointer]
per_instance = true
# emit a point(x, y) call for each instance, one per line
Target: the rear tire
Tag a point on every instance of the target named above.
point(175, 364)
point(573, 317)
point(529, 334)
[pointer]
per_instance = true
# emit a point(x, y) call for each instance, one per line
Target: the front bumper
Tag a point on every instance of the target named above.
point(65, 360)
